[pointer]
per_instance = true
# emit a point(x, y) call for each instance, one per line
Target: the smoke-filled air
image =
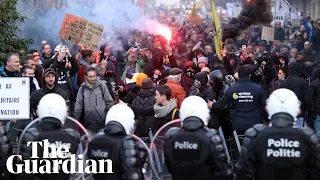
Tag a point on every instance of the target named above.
point(252, 13)
point(111, 14)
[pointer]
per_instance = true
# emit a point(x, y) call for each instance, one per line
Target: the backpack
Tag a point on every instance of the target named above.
point(144, 122)
point(174, 114)
point(75, 81)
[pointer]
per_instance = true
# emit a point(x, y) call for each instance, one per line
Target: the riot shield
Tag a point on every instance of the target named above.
point(156, 154)
point(69, 123)
point(146, 174)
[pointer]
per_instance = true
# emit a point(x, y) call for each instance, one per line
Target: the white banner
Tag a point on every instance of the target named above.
point(14, 98)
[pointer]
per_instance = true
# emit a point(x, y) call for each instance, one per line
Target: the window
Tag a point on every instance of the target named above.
point(318, 9)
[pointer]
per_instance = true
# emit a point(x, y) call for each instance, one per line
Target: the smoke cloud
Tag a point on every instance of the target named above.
point(250, 14)
point(111, 14)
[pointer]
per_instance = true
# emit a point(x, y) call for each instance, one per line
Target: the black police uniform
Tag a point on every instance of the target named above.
point(51, 129)
point(279, 152)
point(126, 154)
point(195, 152)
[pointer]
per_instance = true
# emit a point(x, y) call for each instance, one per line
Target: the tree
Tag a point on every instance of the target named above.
point(9, 41)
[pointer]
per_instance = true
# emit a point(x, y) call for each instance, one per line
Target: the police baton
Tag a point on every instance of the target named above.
point(225, 145)
point(236, 138)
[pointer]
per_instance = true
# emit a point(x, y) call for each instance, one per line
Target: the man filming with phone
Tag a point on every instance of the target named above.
point(66, 67)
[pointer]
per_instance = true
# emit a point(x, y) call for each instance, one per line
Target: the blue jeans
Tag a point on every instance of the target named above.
point(317, 125)
point(299, 122)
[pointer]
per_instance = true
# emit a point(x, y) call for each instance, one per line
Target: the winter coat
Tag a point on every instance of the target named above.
point(3, 74)
point(298, 85)
point(177, 91)
point(95, 102)
point(315, 95)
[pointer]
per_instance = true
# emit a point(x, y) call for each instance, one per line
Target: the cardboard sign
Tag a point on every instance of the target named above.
point(14, 98)
point(92, 35)
point(79, 30)
point(267, 33)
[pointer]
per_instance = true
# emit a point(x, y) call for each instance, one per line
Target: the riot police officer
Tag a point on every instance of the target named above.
point(115, 144)
point(279, 151)
point(52, 111)
point(194, 151)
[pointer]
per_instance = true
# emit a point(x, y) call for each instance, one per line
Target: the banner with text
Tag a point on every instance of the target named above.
point(267, 33)
point(14, 98)
point(79, 30)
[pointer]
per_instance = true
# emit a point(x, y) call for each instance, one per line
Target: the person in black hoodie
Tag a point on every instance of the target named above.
point(65, 67)
point(164, 109)
point(187, 79)
point(300, 87)
point(145, 99)
point(50, 86)
point(154, 68)
point(201, 87)
point(133, 93)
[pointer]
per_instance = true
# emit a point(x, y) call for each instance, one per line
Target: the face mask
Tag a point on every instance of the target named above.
point(190, 74)
point(197, 84)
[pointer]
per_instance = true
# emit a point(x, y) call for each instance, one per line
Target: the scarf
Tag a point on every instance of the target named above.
point(162, 111)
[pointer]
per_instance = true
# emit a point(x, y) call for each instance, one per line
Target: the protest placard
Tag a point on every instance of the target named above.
point(267, 33)
point(14, 98)
point(72, 28)
point(79, 30)
point(92, 35)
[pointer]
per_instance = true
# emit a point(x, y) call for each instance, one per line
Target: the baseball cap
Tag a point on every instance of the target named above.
point(48, 71)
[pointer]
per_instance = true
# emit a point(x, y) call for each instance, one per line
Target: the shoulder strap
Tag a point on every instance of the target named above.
point(102, 91)
point(173, 114)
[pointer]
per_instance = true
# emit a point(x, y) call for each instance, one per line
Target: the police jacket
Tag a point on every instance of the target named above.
point(284, 152)
point(247, 100)
point(127, 156)
point(192, 153)
point(49, 129)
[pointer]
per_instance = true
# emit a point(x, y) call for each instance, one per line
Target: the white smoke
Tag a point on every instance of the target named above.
point(109, 13)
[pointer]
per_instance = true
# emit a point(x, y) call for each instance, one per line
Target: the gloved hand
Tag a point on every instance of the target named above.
point(4, 142)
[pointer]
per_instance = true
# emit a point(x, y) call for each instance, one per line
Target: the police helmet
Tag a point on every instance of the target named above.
point(283, 101)
point(54, 106)
point(195, 106)
point(122, 114)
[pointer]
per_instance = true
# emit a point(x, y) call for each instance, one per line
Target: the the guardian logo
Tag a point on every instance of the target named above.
point(99, 153)
point(57, 158)
point(283, 148)
point(185, 145)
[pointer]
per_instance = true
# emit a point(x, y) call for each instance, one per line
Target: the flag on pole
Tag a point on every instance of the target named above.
point(217, 34)
point(194, 17)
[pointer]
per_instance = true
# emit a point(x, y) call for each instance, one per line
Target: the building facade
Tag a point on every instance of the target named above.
point(311, 7)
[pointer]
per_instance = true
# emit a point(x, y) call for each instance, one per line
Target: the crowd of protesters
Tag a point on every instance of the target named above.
point(153, 76)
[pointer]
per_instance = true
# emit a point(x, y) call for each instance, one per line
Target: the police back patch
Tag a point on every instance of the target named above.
point(283, 148)
point(186, 150)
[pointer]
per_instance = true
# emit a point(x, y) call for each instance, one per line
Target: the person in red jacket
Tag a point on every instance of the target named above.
point(87, 60)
